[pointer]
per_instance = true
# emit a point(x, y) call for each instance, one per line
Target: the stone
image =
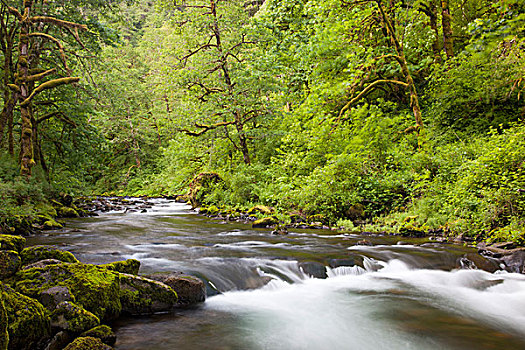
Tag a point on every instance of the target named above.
point(51, 224)
point(9, 242)
point(313, 269)
point(515, 262)
point(28, 324)
point(102, 332)
point(53, 296)
point(59, 341)
point(143, 296)
point(130, 266)
point(94, 288)
point(10, 262)
point(265, 222)
point(87, 343)
point(260, 209)
point(36, 253)
point(67, 212)
point(43, 263)
point(189, 289)
point(486, 264)
point(72, 318)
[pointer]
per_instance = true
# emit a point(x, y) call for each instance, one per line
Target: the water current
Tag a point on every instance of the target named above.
point(306, 290)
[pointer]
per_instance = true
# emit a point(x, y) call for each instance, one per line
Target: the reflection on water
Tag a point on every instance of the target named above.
point(306, 290)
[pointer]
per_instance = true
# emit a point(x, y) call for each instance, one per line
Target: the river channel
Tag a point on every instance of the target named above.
point(310, 289)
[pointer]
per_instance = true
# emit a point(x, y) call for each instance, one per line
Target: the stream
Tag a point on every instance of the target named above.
point(310, 289)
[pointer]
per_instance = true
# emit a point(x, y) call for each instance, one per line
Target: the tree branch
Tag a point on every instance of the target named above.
point(49, 85)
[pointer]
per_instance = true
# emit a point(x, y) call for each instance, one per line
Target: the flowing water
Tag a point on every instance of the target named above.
point(307, 290)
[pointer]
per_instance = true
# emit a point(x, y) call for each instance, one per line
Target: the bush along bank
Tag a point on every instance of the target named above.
point(50, 300)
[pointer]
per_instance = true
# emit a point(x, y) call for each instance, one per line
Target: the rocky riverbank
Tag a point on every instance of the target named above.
point(49, 300)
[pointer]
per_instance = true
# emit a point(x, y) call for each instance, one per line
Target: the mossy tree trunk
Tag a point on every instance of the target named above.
point(446, 22)
point(25, 81)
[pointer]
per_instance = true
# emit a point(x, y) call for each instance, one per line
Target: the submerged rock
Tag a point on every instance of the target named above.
point(9, 242)
point(28, 324)
point(189, 289)
point(73, 318)
point(36, 253)
point(142, 296)
point(102, 332)
point(87, 343)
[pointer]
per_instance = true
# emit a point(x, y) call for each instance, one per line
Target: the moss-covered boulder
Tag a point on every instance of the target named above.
point(53, 296)
point(4, 335)
point(202, 185)
point(265, 222)
point(28, 324)
point(10, 262)
point(67, 212)
point(189, 289)
point(95, 288)
point(73, 318)
point(51, 224)
point(87, 343)
point(130, 266)
point(9, 242)
point(36, 253)
point(260, 209)
point(18, 225)
point(43, 263)
point(102, 332)
point(143, 296)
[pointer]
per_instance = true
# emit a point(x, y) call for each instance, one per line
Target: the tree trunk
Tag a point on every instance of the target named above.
point(414, 99)
point(26, 139)
point(446, 21)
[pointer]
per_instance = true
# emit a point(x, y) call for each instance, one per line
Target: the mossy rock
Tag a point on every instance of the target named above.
point(73, 318)
point(102, 332)
point(95, 288)
point(51, 224)
point(130, 266)
point(28, 324)
point(316, 219)
point(10, 262)
point(142, 296)
point(201, 186)
point(265, 222)
point(67, 212)
point(40, 252)
point(260, 209)
point(4, 335)
point(19, 225)
point(190, 290)
point(87, 343)
point(46, 210)
point(412, 229)
point(9, 242)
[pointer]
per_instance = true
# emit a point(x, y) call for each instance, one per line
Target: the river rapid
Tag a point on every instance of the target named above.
point(307, 290)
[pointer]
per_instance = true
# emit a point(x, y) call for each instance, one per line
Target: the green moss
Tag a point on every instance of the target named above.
point(260, 209)
point(51, 225)
point(140, 295)
point(102, 332)
point(67, 212)
point(95, 288)
point(87, 343)
point(73, 318)
point(130, 266)
point(8, 242)
point(46, 210)
point(37, 253)
point(9, 263)
point(4, 335)
point(261, 223)
point(29, 325)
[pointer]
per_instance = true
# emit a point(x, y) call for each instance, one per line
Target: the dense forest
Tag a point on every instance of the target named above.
point(373, 115)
